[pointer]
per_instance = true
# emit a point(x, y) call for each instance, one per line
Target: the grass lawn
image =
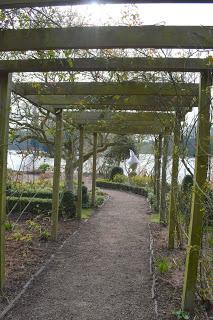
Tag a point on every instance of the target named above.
point(155, 217)
point(86, 213)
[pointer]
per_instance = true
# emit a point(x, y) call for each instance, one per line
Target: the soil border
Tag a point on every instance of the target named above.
point(152, 272)
point(36, 274)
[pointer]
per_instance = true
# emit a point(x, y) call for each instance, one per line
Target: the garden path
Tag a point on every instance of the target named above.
point(101, 273)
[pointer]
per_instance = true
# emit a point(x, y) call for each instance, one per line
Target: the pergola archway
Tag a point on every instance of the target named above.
point(164, 98)
point(174, 37)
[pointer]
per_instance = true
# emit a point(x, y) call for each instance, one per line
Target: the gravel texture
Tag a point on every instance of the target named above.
point(101, 273)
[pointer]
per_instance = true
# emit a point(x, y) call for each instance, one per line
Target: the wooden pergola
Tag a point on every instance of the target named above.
point(117, 122)
point(122, 127)
point(115, 96)
point(174, 37)
point(107, 64)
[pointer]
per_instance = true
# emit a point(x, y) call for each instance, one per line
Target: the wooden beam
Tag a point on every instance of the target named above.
point(108, 64)
point(198, 196)
point(174, 37)
point(163, 207)
point(90, 116)
point(174, 184)
point(149, 101)
point(80, 172)
point(127, 129)
point(153, 124)
point(5, 81)
point(9, 4)
point(128, 123)
point(107, 88)
point(154, 108)
point(57, 173)
point(94, 164)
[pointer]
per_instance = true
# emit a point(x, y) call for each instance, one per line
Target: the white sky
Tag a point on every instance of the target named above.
point(169, 14)
point(151, 14)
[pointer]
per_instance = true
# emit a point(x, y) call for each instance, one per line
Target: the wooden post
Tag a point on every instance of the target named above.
point(163, 217)
point(174, 183)
point(57, 173)
point(5, 86)
point(80, 172)
point(155, 165)
point(197, 208)
point(95, 139)
point(158, 172)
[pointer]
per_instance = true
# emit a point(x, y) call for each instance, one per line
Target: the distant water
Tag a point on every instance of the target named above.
point(147, 166)
point(18, 162)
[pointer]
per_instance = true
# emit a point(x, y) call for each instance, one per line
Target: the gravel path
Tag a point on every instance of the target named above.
point(102, 272)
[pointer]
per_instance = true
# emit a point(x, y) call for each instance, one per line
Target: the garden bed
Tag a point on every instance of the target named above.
point(169, 272)
point(28, 244)
point(28, 248)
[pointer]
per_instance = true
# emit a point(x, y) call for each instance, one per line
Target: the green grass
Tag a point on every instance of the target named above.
point(162, 265)
point(155, 217)
point(86, 213)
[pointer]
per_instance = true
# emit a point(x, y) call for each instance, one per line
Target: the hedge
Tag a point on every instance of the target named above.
point(46, 194)
point(29, 194)
point(67, 205)
point(122, 187)
point(34, 205)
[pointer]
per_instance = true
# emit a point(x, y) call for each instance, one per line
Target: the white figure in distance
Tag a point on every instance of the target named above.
point(133, 163)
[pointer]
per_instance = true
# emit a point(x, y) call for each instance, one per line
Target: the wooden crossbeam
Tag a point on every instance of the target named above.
point(109, 88)
point(126, 129)
point(8, 4)
point(117, 123)
point(154, 108)
point(108, 64)
point(151, 102)
point(144, 117)
point(176, 37)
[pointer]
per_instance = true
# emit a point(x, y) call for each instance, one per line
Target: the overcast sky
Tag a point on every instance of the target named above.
point(149, 14)
point(170, 14)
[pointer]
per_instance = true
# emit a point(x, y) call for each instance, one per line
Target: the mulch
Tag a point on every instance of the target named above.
point(26, 251)
point(169, 284)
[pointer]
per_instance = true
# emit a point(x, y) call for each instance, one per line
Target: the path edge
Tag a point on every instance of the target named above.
point(46, 264)
point(152, 273)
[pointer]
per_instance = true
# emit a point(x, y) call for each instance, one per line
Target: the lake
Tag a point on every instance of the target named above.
point(18, 162)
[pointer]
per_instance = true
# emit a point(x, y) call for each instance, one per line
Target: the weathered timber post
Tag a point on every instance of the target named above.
point(158, 172)
point(5, 87)
point(155, 164)
point(197, 208)
point(57, 173)
point(80, 172)
point(163, 217)
point(174, 183)
point(95, 139)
